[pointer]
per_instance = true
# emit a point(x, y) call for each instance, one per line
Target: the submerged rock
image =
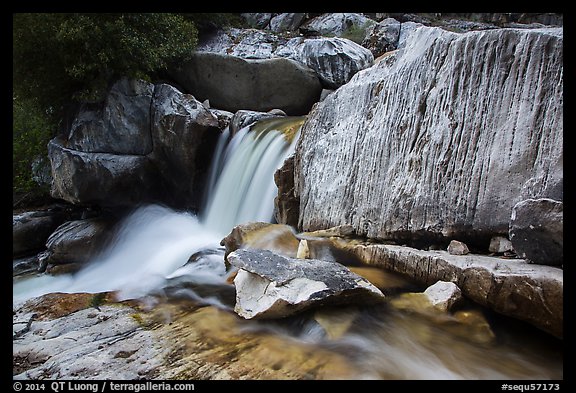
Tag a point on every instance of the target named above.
point(278, 238)
point(513, 287)
point(64, 336)
point(272, 286)
point(537, 231)
point(78, 241)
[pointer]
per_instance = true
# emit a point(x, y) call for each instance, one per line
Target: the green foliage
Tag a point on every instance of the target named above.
point(356, 33)
point(31, 133)
point(60, 57)
point(205, 21)
point(98, 299)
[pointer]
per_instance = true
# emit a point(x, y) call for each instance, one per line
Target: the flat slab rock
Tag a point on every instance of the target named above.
point(273, 286)
point(513, 287)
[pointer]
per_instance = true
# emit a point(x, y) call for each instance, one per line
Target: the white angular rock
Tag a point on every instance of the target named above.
point(335, 60)
point(500, 244)
point(458, 248)
point(272, 286)
point(444, 295)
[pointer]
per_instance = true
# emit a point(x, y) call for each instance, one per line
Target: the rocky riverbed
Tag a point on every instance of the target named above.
point(418, 209)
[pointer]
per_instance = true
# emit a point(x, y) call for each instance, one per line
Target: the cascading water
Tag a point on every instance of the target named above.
point(241, 181)
point(153, 244)
point(151, 249)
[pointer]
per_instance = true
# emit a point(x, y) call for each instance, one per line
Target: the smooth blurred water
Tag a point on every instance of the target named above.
point(153, 244)
point(150, 254)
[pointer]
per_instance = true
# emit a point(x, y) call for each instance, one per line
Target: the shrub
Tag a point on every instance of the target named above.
point(62, 57)
point(31, 133)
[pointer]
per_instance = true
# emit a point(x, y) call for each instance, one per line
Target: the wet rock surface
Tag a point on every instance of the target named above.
point(273, 286)
point(513, 287)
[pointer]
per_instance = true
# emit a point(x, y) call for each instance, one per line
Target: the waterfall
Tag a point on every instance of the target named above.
point(152, 246)
point(242, 185)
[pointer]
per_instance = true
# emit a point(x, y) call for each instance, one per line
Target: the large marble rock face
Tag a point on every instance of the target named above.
point(443, 137)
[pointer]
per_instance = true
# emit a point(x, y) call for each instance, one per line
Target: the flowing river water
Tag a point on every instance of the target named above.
point(150, 254)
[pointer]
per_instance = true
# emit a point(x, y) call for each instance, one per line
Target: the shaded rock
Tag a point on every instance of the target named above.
point(258, 85)
point(444, 295)
point(339, 231)
point(30, 230)
point(258, 20)
point(78, 241)
point(458, 248)
point(100, 178)
point(244, 118)
point(278, 238)
point(121, 125)
point(41, 173)
point(286, 205)
point(500, 245)
point(341, 24)
point(184, 134)
point(382, 37)
point(325, 93)
point(273, 286)
point(224, 117)
point(431, 103)
point(277, 112)
point(537, 231)
point(25, 265)
point(474, 326)
point(335, 60)
point(69, 268)
point(513, 287)
point(286, 22)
